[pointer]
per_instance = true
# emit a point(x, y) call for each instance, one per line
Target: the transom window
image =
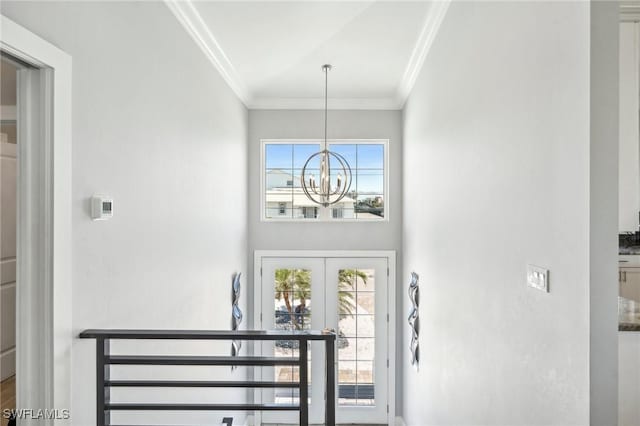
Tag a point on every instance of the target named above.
point(282, 195)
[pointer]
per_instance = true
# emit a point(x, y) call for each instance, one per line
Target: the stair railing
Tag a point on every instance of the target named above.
point(104, 360)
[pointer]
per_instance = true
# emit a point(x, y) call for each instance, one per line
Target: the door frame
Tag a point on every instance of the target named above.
point(43, 299)
point(390, 255)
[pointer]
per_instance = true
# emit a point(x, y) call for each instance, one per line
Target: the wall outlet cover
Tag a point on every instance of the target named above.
point(538, 278)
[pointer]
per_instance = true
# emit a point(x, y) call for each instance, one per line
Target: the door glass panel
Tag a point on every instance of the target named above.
point(356, 336)
point(292, 311)
point(366, 325)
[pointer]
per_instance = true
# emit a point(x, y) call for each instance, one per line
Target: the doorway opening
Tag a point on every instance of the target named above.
point(43, 332)
point(350, 292)
point(9, 69)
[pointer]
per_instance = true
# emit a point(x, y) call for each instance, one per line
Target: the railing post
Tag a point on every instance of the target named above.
point(304, 382)
point(330, 410)
point(102, 375)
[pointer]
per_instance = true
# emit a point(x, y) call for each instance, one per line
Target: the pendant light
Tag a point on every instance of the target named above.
point(331, 188)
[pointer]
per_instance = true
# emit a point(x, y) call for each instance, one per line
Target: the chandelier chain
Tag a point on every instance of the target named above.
point(326, 90)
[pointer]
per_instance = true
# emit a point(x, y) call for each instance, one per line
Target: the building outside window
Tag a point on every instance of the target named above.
point(310, 212)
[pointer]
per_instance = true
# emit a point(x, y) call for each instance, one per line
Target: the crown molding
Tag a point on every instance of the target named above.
point(434, 18)
point(630, 11)
point(188, 16)
point(318, 103)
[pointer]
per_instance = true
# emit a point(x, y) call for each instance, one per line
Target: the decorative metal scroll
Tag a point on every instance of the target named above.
point(414, 320)
point(236, 313)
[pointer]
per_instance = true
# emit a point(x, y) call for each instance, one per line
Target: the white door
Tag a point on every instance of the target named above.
point(357, 295)
point(292, 295)
point(8, 170)
point(347, 294)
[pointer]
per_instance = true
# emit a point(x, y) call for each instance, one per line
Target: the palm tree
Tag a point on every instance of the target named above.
point(296, 284)
point(293, 284)
point(347, 279)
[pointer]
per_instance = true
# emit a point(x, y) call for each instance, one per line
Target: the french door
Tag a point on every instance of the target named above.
point(348, 294)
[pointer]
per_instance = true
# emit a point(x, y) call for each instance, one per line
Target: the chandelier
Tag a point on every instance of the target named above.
point(331, 187)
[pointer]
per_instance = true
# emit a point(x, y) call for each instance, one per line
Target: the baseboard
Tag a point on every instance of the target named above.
point(400, 421)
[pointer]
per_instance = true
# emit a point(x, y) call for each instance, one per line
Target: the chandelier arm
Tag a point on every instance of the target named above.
point(348, 171)
point(348, 176)
point(305, 189)
point(338, 190)
point(309, 196)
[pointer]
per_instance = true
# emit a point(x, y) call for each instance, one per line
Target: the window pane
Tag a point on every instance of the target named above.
point(347, 279)
point(366, 325)
point(301, 159)
point(346, 302)
point(343, 213)
point(304, 208)
point(370, 156)
point(365, 349)
point(301, 152)
point(273, 211)
point(366, 280)
point(278, 179)
point(348, 350)
point(347, 326)
point(370, 206)
point(347, 372)
point(348, 151)
point(297, 173)
point(370, 182)
point(278, 200)
point(366, 394)
point(278, 156)
point(309, 211)
point(365, 302)
point(365, 372)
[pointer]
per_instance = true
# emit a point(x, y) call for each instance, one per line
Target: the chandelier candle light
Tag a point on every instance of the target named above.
point(326, 192)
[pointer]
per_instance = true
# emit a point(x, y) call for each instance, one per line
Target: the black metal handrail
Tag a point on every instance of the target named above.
point(104, 359)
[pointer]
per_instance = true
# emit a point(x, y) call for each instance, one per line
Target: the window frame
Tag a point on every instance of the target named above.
point(324, 215)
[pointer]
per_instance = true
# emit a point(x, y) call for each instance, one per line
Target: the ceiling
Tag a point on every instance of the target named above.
point(271, 52)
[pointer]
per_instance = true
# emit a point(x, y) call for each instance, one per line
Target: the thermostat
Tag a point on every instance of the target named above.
point(101, 207)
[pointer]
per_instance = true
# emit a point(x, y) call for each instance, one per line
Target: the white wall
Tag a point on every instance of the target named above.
point(275, 124)
point(157, 128)
point(497, 173)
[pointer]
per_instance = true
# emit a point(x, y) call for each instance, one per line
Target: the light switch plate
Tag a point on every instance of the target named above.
point(538, 278)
